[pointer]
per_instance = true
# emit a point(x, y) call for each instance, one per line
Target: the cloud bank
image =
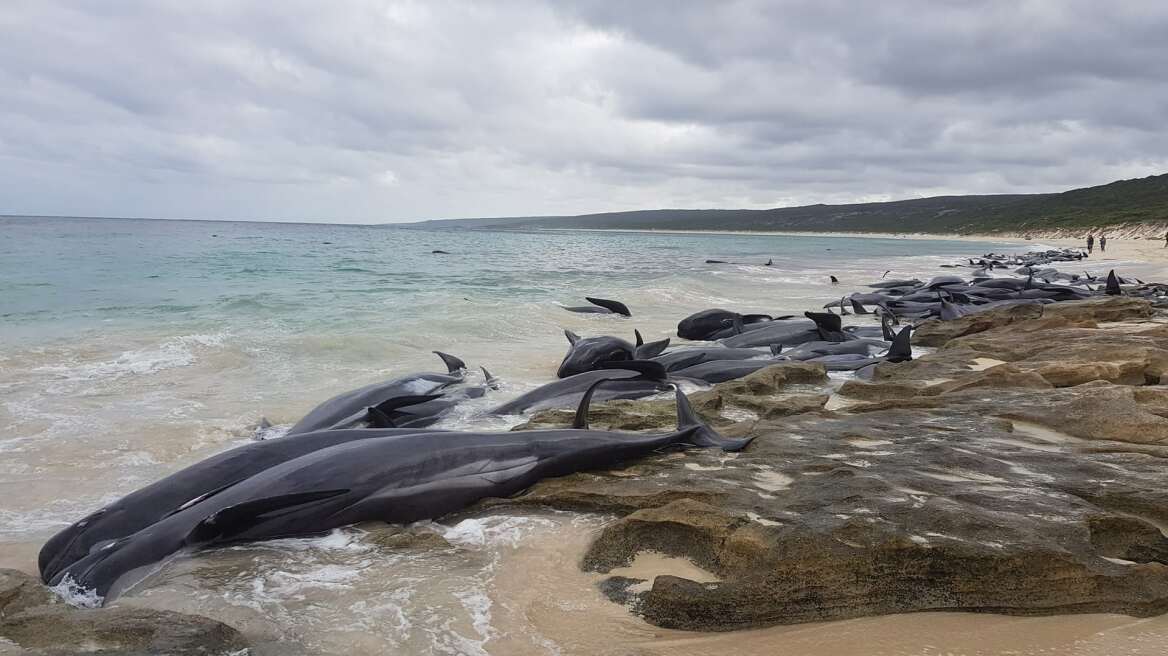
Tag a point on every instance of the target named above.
point(372, 111)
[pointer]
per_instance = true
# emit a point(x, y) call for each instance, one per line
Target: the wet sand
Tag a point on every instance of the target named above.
point(541, 584)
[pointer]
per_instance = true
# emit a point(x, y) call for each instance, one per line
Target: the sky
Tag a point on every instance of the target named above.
point(367, 111)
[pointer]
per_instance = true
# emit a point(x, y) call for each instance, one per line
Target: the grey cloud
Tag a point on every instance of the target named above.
point(377, 111)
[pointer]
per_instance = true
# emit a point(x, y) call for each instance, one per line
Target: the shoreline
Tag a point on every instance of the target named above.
point(1146, 251)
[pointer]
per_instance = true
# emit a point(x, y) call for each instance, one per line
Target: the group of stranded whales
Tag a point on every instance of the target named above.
point(369, 454)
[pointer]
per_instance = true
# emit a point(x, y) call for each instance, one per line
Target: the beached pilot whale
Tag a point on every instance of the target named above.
point(430, 411)
point(150, 504)
point(586, 353)
point(601, 306)
point(399, 480)
point(899, 351)
point(706, 325)
point(345, 409)
point(629, 379)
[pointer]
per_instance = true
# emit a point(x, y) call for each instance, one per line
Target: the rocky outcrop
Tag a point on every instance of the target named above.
point(985, 476)
point(19, 592)
point(1082, 314)
point(34, 619)
point(120, 629)
point(935, 332)
point(1101, 309)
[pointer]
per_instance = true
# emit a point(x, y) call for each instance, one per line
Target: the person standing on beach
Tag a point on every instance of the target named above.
point(1102, 243)
point(1091, 243)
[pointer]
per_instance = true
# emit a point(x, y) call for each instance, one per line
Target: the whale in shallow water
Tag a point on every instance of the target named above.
point(431, 411)
point(630, 380)
point(587, 353)
point(345, 409)
point(688, 357)
point(899, 351)
point(707, 324)
point(148, 505)
point(787, 332)
point(398, 479)
point(720, 371)
point(601, 306)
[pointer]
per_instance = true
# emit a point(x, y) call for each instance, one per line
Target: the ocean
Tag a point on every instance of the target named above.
point(130, 348)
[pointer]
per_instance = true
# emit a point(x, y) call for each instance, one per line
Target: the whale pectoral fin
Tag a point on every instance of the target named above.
point(648, 369)
point(614, 306)
point(201, 498)
point(233, 520)
point(453, 491)
point(652, 349)
point(689, 361)
point(453, 364)
point(382, 415)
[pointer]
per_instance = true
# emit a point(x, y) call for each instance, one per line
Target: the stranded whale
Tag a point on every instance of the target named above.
point(398, 479)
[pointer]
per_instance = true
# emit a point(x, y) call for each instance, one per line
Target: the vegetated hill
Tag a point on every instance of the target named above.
point(1138, 201)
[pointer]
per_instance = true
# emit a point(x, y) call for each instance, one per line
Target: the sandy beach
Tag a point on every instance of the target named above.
point(1149, 252)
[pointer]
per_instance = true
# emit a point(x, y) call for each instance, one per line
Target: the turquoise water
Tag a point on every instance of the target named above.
point(130, 348)
point(64, 277)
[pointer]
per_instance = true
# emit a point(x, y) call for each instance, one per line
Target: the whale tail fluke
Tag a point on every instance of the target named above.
point(829, 325)
point(901, 350)
point(702, 434)
point(616, 307)
point(453, 364)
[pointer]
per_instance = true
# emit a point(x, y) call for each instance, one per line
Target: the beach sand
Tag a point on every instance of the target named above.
point(1150, 254)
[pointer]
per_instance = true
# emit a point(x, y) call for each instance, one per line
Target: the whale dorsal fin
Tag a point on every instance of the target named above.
point(1113, 284)
point(489, 380)
point(652, 349)
point(640, 340)
point(572, 337)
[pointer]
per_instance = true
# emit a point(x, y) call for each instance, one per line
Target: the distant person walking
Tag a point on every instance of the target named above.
point(1102, 243)
point(1091, 243)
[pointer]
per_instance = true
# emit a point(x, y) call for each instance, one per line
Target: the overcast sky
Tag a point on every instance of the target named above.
point(372, 111)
